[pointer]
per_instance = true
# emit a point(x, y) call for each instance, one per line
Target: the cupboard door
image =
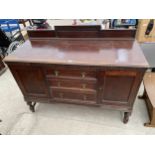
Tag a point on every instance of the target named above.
point(117, 87)
point(30, 80)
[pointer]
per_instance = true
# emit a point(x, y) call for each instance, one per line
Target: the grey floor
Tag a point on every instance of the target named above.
point(63, 118)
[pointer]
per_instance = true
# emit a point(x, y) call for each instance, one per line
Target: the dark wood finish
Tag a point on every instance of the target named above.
point(77, 34)
point(2, 66)
point(75, 94)
point(77, 31)
point(93, 31)
point(93, 71)
point(126, 33)
point(112, 79)
point(149, 97)
point(83, 51)
point(116, 89)
point(76, 83)
point(41, 33)
point(31, 80)
point(79, 28)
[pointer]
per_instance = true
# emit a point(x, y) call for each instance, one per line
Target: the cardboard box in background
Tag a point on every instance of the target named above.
point(140, 36)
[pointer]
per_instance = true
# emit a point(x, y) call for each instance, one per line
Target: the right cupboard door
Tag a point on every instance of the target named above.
point(117, 87)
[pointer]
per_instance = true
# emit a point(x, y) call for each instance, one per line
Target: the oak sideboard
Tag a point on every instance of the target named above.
point(93, 71)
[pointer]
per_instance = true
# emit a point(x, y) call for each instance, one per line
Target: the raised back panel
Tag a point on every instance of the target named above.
point(41, 34)
point(83, 31)
point(77, 34)
point(117, 33)
point(78, 28)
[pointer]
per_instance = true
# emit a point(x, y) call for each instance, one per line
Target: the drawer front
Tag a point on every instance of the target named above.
point(75, 73)
point(73, 94)
point(79, 84)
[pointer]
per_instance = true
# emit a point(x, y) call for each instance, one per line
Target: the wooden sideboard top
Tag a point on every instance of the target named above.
point(124, 52)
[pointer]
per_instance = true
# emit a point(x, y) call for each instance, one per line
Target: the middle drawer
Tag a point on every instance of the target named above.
point(72, 83)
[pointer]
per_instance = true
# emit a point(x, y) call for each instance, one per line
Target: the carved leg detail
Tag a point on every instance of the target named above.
point(31, 106)
point(142, 96)
point(126, 117)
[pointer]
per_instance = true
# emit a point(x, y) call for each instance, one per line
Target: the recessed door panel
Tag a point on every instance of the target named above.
point(117, 87)
point(31, 81)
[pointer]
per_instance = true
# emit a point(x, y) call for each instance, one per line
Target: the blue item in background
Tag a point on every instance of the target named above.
point(9, 25)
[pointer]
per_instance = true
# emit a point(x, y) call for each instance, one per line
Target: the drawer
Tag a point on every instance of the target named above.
point(73, 95)
point(82, 84)
point(74, 73)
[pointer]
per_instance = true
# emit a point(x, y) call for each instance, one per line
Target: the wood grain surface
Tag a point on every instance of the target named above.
point(84, 51)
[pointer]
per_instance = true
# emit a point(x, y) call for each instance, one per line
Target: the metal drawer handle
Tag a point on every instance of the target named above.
point(84, 86)
point(84, 97)
point(61, 95)
point(83, 74)
point(100, 88)
point(56, 73)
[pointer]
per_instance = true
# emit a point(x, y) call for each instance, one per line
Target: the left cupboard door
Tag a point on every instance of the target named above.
point(31, 80)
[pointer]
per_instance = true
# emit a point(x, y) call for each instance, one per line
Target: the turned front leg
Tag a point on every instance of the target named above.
point(31, 105)
point(126, 117)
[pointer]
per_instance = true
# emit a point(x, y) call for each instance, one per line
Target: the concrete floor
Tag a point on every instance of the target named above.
point(63, 118)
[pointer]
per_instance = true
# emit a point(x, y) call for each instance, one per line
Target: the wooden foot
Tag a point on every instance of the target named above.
point(126, 117)
point(31, 106)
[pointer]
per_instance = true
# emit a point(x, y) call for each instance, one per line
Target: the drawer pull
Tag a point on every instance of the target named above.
point(84, 86)
point(56, 73)
point(61, 95)
point(83, 74)
point(100, 88)
point(59, 84)
point(84, 97)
